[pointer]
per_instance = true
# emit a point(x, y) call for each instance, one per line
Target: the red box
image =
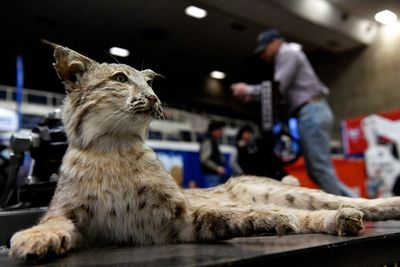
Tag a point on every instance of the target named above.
point(350, 171)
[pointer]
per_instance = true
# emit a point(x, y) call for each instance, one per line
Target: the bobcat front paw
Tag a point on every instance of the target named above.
point(348, 222)
point(34, 244)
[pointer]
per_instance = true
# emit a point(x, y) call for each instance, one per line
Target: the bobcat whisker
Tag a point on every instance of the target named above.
point(139, 102)
point(120, 110)
point(118, 121)
point(112, 56)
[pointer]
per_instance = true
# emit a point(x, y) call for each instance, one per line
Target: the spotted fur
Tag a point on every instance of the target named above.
point(114, 191)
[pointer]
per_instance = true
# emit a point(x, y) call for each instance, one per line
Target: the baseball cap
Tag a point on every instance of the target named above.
point(265, 37)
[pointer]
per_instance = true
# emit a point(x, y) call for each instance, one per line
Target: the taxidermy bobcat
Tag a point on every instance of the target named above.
point(114, 191)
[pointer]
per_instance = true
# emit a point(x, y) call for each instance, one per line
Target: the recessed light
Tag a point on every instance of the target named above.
point(195, 12)
point(217, 74)
point(118, 51)
point(385, 17)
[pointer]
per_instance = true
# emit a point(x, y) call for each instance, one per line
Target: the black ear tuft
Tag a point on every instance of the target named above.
point(49, 44)
point(150, 74)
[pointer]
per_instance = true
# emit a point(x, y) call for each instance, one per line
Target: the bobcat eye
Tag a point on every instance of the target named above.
point(120, 77)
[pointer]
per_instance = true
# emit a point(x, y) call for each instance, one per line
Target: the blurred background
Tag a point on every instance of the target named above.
point(202, 47)
point(355, 55)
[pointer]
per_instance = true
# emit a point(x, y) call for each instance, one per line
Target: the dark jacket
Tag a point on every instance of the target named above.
point(210, 156)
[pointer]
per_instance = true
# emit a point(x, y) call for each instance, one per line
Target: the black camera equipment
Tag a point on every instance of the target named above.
point(4, 166)
point(46, 144)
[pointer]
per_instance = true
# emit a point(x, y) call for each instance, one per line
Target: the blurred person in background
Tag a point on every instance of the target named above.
point(249, 158)
point(211, 158)
point(305, 96)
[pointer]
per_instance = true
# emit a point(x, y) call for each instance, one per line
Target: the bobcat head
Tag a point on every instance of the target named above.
point(106, 104)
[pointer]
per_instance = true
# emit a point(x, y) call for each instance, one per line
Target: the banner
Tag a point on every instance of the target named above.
point(8, 120)
point(20, 87)
point(353, 140)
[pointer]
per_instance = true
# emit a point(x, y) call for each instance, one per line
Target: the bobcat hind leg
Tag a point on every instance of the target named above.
point(211, 224)
point(344, 221)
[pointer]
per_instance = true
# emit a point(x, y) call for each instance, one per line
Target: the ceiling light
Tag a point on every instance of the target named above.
point(118, 51)
point(196, 12)
point(217, 74)
point(385, 17)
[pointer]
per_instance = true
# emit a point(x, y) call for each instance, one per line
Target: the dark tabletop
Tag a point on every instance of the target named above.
point(378, 245)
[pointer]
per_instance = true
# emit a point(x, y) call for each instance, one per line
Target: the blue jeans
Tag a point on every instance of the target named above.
point(212, 180)
point(315, 125)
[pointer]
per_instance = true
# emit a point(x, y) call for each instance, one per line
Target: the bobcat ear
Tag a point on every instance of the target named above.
point(150, 74)
point(70, 65)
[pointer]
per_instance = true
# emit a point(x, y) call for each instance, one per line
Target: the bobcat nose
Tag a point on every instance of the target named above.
point(152, 99)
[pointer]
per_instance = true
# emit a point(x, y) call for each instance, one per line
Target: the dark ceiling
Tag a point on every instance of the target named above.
point(160, 36)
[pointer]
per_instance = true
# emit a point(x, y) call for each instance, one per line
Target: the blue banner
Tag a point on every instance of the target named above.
point(20, 87)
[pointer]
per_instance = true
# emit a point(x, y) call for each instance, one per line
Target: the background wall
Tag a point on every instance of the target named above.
point(365, 80)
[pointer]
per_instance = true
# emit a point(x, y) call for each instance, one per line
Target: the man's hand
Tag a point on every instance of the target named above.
point(221, 171)
point(240, 89)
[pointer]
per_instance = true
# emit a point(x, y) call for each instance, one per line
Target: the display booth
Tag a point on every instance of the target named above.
point(182, 160)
